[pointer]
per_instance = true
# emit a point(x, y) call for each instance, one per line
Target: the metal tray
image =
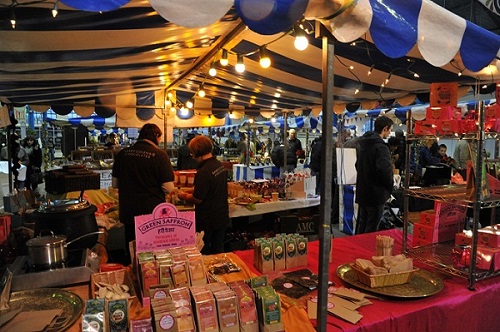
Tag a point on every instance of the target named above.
point(50, 298)
point(422, 284)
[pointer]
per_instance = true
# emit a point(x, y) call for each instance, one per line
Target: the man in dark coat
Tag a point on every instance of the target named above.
point(375, 180)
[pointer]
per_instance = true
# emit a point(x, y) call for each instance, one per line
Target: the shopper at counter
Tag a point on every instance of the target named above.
point(30, 155)
point(143, 174)
point(209, 195)
point(375, 181)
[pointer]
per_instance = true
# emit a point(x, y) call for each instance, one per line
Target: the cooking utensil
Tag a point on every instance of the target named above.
point(71, 217)
point(51, 249)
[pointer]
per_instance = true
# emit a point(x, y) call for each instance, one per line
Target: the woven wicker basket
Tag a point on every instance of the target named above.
point(382, 280)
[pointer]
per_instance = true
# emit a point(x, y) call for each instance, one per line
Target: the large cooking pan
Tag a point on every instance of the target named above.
point(51, 249)
point(70, 217)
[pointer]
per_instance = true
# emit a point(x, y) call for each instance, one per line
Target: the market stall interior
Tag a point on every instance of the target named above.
point(152, 60)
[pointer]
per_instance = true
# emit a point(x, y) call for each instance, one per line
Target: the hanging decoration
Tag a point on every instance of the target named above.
point(95, 5)
point(268, 17)
point(192, 13)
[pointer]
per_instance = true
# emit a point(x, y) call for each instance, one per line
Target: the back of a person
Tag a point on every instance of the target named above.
point(141, 192)
point(213, 176)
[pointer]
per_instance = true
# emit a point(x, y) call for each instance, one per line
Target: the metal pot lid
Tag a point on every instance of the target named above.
point(47, 241)
point(63, 205)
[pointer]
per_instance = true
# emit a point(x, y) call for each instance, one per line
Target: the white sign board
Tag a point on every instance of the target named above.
point(346, 169)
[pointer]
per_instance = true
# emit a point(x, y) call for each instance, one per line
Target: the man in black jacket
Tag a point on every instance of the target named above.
point(375, 179)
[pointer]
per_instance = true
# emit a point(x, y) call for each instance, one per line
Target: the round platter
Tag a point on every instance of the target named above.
point(50, 298)
point(422, 284)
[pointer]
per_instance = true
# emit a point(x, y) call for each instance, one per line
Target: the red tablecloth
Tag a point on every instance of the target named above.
point(455, 308)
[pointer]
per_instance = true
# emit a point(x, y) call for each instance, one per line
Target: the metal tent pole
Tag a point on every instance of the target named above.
point(328, 53)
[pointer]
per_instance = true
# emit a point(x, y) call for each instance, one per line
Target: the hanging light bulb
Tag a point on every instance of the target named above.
point(240, 66)
point(371, 70)
point(12, 18)
point(356, 91)
point(55, 9)
point(223, 60)
point(388, 78)
point(459, 73)
point(265, 60)
point(189, 104)
point(416, 75)
point(201, 91)
point(301, 41)
point(212, 71)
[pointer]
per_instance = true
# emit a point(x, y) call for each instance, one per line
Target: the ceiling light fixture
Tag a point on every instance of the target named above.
point(224, 60)
point(201, 91)
point(301, 41)
point(12, 18)
point(265, 60)
point(371, 70)
point(240, 66)
point(55, 9)
point(212, 71)
point(189, 104)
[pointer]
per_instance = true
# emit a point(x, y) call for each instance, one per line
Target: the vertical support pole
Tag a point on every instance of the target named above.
point(326, 175)
point(285, 138)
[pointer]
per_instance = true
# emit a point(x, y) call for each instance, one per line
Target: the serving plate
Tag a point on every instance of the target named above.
point(422, 284)
point(47, 299)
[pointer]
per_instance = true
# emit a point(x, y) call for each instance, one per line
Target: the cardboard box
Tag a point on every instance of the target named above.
point(442, 113)
point(425, 127)
point(449, 126)
point(443, 215)
point(488, 258)
point(434, 235)
point(489, 236)
point(463, 238)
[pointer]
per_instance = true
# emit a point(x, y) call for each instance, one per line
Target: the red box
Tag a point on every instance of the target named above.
point(469, 126)
point(442, 113)
point(490, 125)
point(463, 238)
point(492, 111)
point(417, 242)
point(488, 258)
point(489, 236)
point(427, 127)
point(449, 126)
point(434, 235)
point(4, 228)
point(443, 215)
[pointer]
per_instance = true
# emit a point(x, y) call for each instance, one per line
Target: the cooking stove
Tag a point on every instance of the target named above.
point(72, 271)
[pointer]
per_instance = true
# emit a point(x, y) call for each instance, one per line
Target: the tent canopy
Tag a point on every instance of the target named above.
point(113, 58)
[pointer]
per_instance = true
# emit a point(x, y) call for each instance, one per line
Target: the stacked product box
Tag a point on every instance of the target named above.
point(448, 120)
point(247, 309)
point(268, 309)
point(284, 251)
point(165, 269)
point(439, 225)
point(488, 251)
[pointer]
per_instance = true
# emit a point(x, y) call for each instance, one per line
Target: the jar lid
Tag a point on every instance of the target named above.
point(63, 205)
point(46, 241)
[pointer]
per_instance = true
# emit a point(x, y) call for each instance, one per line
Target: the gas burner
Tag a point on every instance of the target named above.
point(72, 271)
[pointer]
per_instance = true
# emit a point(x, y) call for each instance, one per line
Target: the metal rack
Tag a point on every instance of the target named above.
point(438, 255)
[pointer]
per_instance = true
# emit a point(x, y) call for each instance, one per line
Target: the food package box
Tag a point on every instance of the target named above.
point(434, 235)
point(463, 238)
point(118, 315)
point(449, 126)
point(442, 113)
point(247, 309)
point(425, 127)
point(490, 125)
point(489, 236)
point(206, 311)
point(301, 251)
point(443, 217)
point(227, 309)
point(291, 252)
point(265, 262)
point(304, 185)
point(279, 254)
point(469, 126)
point(492, 112)
point(488, 258)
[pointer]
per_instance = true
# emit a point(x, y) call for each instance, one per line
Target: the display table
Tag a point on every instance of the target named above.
point(269, 207)
point(455, 308)
point(242, 172)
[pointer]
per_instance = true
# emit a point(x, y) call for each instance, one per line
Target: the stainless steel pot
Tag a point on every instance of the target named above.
point(50, 249)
